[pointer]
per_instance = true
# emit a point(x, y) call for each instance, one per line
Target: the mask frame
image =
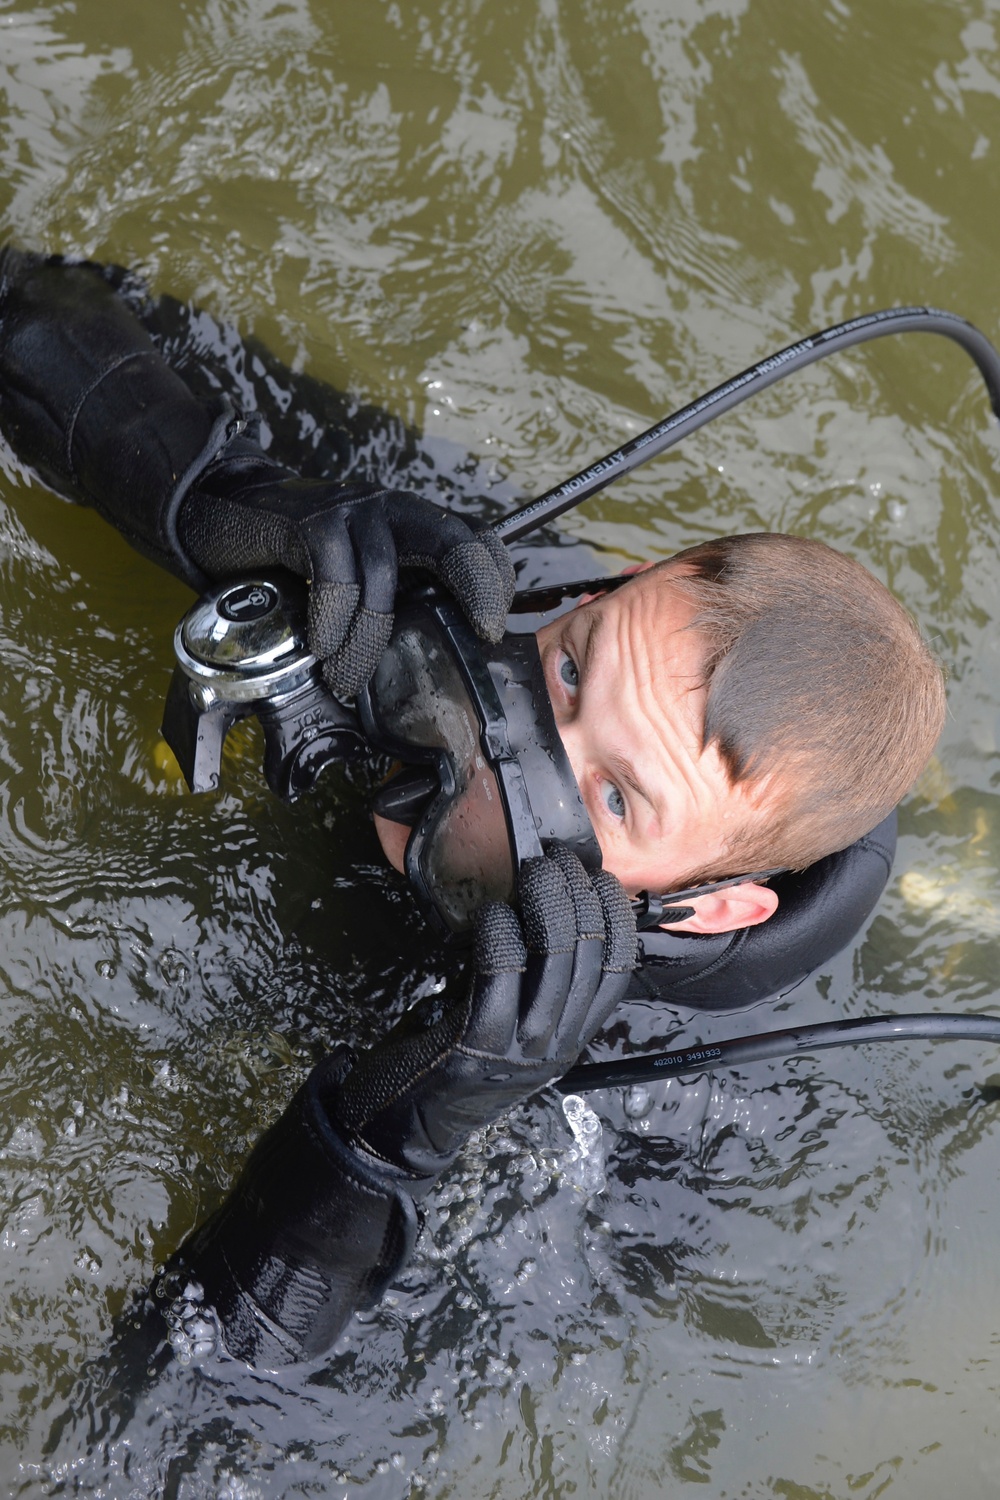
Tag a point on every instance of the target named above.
point(505, 756)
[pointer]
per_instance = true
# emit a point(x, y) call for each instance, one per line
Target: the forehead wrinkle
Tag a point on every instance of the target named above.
point(653, 650)
point(663, 691)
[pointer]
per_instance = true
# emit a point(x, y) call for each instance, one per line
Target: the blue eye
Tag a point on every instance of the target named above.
point(568, 671)
point(613, 799)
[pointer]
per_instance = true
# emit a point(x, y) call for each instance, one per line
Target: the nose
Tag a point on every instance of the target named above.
point(393, 837)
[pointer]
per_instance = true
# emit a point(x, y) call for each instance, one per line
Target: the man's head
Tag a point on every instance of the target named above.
point(756, 701)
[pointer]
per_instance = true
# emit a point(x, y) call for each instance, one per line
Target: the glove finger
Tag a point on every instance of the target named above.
point(334, 593)
point(375, 563)
point(347, 669)
point(353, 558)
point(549, 919)
point(474, 566)
point(547, 913)
point(332, 607)
point(323, 533)
point(500, 958)
point(621, 953)
point(587, 907)
point(499, 943)
point(569, 1039)
point(621, 941)
point(481, 576)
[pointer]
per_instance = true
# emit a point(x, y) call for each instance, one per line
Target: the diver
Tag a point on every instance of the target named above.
point(754, 705)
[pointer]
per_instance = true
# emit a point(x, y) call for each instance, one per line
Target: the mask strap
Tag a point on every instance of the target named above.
point(539, 601)
point(650, 910)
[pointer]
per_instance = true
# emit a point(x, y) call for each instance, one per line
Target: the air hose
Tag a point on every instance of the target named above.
point(794, 1040)
point(663, 435)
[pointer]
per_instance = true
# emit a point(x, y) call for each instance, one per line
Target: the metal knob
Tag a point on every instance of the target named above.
point(242, 650)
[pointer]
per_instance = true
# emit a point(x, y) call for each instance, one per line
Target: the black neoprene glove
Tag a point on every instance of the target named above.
point(89, 403)
point(349, 541)
point(544, 984)
point(323, 1216)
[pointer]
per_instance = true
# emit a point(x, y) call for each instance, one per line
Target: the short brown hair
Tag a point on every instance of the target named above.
point(820, 690)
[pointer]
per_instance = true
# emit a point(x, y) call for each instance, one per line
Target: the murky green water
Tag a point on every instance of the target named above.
point(530, 228)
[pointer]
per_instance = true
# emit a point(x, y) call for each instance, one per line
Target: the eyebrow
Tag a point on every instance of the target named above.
point(595, 629)
point(626, 772)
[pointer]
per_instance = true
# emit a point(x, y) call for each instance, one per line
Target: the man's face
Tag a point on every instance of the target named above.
point(624, 676)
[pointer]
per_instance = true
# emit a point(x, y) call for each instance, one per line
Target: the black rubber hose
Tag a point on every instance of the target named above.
point(796, 1039)
point(758, 377)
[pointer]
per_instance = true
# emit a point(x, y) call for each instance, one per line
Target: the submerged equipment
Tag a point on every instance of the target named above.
point(486, 782)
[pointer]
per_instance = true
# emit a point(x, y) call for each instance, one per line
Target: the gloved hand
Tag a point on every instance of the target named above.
point(542, 988)
point(88, 402)
point(323, 1216)
point(349, 542)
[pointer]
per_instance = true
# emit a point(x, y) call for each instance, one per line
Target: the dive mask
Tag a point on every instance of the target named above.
point(485, 782)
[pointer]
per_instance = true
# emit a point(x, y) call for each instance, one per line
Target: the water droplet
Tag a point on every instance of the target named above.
point(583, 1163)
point(637, 1101)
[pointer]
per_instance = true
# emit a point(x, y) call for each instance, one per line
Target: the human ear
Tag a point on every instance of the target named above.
point(745, 905)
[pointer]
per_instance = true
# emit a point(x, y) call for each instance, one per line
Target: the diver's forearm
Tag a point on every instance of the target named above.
point(89, 403)
point(312, 1231)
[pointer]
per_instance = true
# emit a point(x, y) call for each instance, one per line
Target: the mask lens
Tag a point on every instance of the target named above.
point(479, 718)
point(419, 707)
point(462, 855)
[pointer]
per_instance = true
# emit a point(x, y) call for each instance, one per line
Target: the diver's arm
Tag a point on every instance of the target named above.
point(324, 1214)
point(87, 400)
point(310, 425)
point(312, 1230)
